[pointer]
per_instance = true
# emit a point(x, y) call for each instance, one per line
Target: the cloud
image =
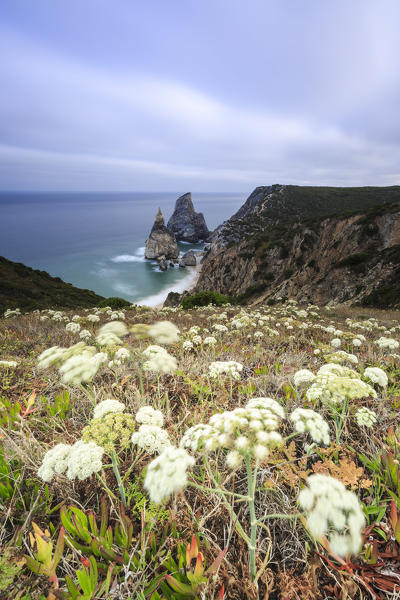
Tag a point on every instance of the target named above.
point(66, 124)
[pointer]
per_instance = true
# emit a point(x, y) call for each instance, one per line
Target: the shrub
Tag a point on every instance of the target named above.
point(204, 298)
point(114, 302)
point(353, 259)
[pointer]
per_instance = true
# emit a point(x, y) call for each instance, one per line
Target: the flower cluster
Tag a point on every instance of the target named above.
point(12, 313)
point(159, 361)
point(73, 327)
point(303, 377)
point(365, 417)
point(334, 384)
point(387, 343)
point(112, 431)
point(110, 334)
point(230, 367)
point(251, 431)
point(167, 473)
point(376, 375)
point(107, 406)
point(8, 363)
point(333, 511)
point(308, 420)
point(78, 461)
point(147, 415)
point(151, 438)
point(164, 332)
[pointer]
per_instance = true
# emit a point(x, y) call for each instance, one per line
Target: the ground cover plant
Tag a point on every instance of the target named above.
point(214, 452)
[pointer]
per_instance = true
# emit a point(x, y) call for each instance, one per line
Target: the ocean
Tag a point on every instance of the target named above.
point(96, 240)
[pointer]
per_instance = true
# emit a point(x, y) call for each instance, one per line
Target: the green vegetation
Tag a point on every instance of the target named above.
point(31, 289)
point(204, 299)
point(115, 303)
point(354, 259)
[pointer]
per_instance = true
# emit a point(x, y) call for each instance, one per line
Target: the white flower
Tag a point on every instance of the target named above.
point(161, 363)
point(365, 417)
point(376, 375)
point(93, 318)
point(85, 334)
point(187, 345)
point(387, 343)
point(164, 332)
point(234, 459)
point(336, 343)
point(151, 438)
point(308, 420)
point(100, 357)
point(50, 357)
point(210, 341)
point(196, 339)
point(85, 458)
point(8, 363)
point(110, 333)
point(303, 376)
point(333, 511)
point(55, 461)
point(73, 327)
point(122, 354)
point(230, 367)
point(79, 369)
point(341, 357)
point(12, 313)
point(107, 406)
point(356, 342)
point(150, 351)
point(167, 473)
point(149, 416)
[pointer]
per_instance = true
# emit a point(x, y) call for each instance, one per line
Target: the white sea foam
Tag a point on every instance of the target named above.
point(179, 286)
point(124, 288)
point(126, 258)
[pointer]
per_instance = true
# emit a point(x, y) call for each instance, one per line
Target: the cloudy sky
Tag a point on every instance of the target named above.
point(206, 95)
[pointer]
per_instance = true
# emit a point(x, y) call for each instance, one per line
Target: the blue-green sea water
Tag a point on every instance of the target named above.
point(96, 240)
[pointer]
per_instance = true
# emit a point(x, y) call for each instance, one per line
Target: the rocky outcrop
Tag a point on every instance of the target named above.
point(286, 243)
point(188, 259)
point(188, 225)
point(161, 241)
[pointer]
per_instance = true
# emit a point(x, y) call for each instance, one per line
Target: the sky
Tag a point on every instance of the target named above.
point(200, 95)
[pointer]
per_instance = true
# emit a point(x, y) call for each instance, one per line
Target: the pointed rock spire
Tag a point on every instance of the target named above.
point(161, 241)
point(187, 224)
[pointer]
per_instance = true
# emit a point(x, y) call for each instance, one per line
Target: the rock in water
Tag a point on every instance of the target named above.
point(188, 225)
point(161, 241)
point(188, 259)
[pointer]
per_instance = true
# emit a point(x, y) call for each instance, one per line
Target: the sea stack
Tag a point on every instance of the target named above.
point(161, 241)
point(186, 224)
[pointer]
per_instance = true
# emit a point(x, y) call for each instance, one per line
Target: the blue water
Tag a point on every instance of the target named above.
point(96, 240)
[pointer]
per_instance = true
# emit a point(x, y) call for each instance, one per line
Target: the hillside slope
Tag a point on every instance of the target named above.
point(314, 244)
point(29, 289)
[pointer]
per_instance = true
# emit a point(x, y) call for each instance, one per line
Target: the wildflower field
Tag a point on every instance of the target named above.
point(223, 453)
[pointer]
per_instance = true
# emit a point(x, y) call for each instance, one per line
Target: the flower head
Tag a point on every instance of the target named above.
point(333, 511)
point(164, 332)
point(107, 406)
point(167, 473)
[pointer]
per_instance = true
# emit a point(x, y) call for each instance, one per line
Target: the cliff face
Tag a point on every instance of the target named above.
point(161, 241)
point(287, 242)
point(188, 225)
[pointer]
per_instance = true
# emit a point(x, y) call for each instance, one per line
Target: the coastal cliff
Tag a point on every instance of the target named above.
point(312, 244)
